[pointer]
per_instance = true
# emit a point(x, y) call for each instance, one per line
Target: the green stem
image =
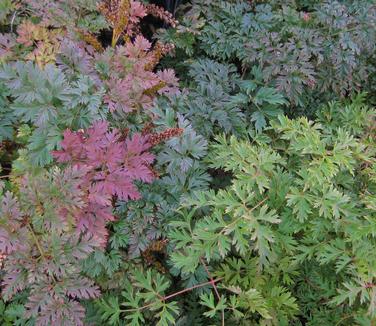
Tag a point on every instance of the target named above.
point(40, 249)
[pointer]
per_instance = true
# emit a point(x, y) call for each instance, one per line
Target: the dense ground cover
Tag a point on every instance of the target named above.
point(214, 164)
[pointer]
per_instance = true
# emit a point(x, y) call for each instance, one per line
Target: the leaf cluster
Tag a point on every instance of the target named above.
point(297, 208)
point(311, 52)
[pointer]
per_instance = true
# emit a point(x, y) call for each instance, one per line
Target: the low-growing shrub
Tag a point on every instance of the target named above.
point(237, 196)
point(289, 241)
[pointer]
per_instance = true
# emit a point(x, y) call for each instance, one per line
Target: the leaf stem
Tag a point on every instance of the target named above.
point(36, 240)
point(42, 254)
point(215, 289)
point(192, 288)
point(237, 220)
point(175, 294)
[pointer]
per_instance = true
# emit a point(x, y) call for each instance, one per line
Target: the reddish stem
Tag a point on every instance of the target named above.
point(215, 288)
point(192, 288)
point(175, 294)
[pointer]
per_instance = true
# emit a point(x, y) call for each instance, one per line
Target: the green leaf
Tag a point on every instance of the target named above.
point(110, 310)
point(300, 203)
point(269, 95)
point(209, 301)
point(259, 119)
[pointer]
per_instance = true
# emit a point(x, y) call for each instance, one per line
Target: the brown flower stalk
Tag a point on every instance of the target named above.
point(117, 14)
point(158, 52)
point(157, 138)
point(162, 14)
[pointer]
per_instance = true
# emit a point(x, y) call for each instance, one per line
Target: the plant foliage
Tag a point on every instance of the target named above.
point(294, 227)
point(309, 51)
point(211, 165)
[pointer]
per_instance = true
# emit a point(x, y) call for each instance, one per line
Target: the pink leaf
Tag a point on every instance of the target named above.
point(111, 166)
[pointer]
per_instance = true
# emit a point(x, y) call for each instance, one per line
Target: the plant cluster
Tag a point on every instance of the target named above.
point(211, 165)
point(294, 225)
point(311, 51)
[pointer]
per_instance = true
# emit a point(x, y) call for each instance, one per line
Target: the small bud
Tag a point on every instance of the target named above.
point(311, 83)
point(306, 16)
